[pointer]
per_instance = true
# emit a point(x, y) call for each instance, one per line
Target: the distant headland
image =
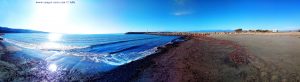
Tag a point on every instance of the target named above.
point(11, 30)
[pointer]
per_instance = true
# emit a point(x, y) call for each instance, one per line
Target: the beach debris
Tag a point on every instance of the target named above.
point(237, 56)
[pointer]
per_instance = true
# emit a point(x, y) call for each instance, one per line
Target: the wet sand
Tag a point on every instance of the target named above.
point(27, 69)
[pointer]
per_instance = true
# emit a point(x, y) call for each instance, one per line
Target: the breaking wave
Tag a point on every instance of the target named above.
point(97, 52)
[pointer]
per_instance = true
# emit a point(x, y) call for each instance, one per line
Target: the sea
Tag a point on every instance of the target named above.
point(87, 53)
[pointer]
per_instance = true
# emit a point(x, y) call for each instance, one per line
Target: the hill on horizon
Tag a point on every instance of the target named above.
point(12, 30)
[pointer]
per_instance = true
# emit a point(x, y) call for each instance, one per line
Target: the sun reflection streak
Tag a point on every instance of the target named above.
point(51, 45)
point(54, 37)
point(52, 67)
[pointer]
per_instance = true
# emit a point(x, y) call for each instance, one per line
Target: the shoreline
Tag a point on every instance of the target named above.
point(214, 57)
point(155, 68)
point(68, 77)
point(134, 68)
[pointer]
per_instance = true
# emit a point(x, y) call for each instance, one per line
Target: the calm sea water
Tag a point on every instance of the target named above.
point(87, 53)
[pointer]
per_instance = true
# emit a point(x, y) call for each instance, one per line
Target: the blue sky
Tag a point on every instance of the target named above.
point(117, 16)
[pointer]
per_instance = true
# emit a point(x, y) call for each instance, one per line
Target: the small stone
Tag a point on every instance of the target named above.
point(284, 80)
point(274, 78)
point(263, 74)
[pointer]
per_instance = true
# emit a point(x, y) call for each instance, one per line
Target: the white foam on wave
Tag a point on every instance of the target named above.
point(43, 46)
point(122, 58)
point(111, 59)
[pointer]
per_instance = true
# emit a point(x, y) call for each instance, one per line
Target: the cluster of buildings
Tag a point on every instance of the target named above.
point(258, 30)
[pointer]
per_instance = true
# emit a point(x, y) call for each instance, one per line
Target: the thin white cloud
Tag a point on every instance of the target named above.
point(181, 13)
point(180, 2)
point(181, 8)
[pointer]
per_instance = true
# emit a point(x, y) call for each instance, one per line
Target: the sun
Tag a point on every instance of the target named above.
point(52, 17)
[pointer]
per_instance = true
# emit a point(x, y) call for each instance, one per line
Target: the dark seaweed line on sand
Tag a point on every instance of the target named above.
point(131, 71)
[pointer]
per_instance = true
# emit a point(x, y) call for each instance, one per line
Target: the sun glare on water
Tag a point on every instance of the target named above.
point(52, 41)
point(54, 37)
point(52, 67)
point(51, 45)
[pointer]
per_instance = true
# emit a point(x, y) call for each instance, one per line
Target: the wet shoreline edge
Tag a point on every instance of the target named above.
point(130, 71)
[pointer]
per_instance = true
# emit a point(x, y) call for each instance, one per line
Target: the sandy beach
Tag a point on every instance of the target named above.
point(201, 59)
point(250, 57)
point(275, 55)
point(244, 57)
